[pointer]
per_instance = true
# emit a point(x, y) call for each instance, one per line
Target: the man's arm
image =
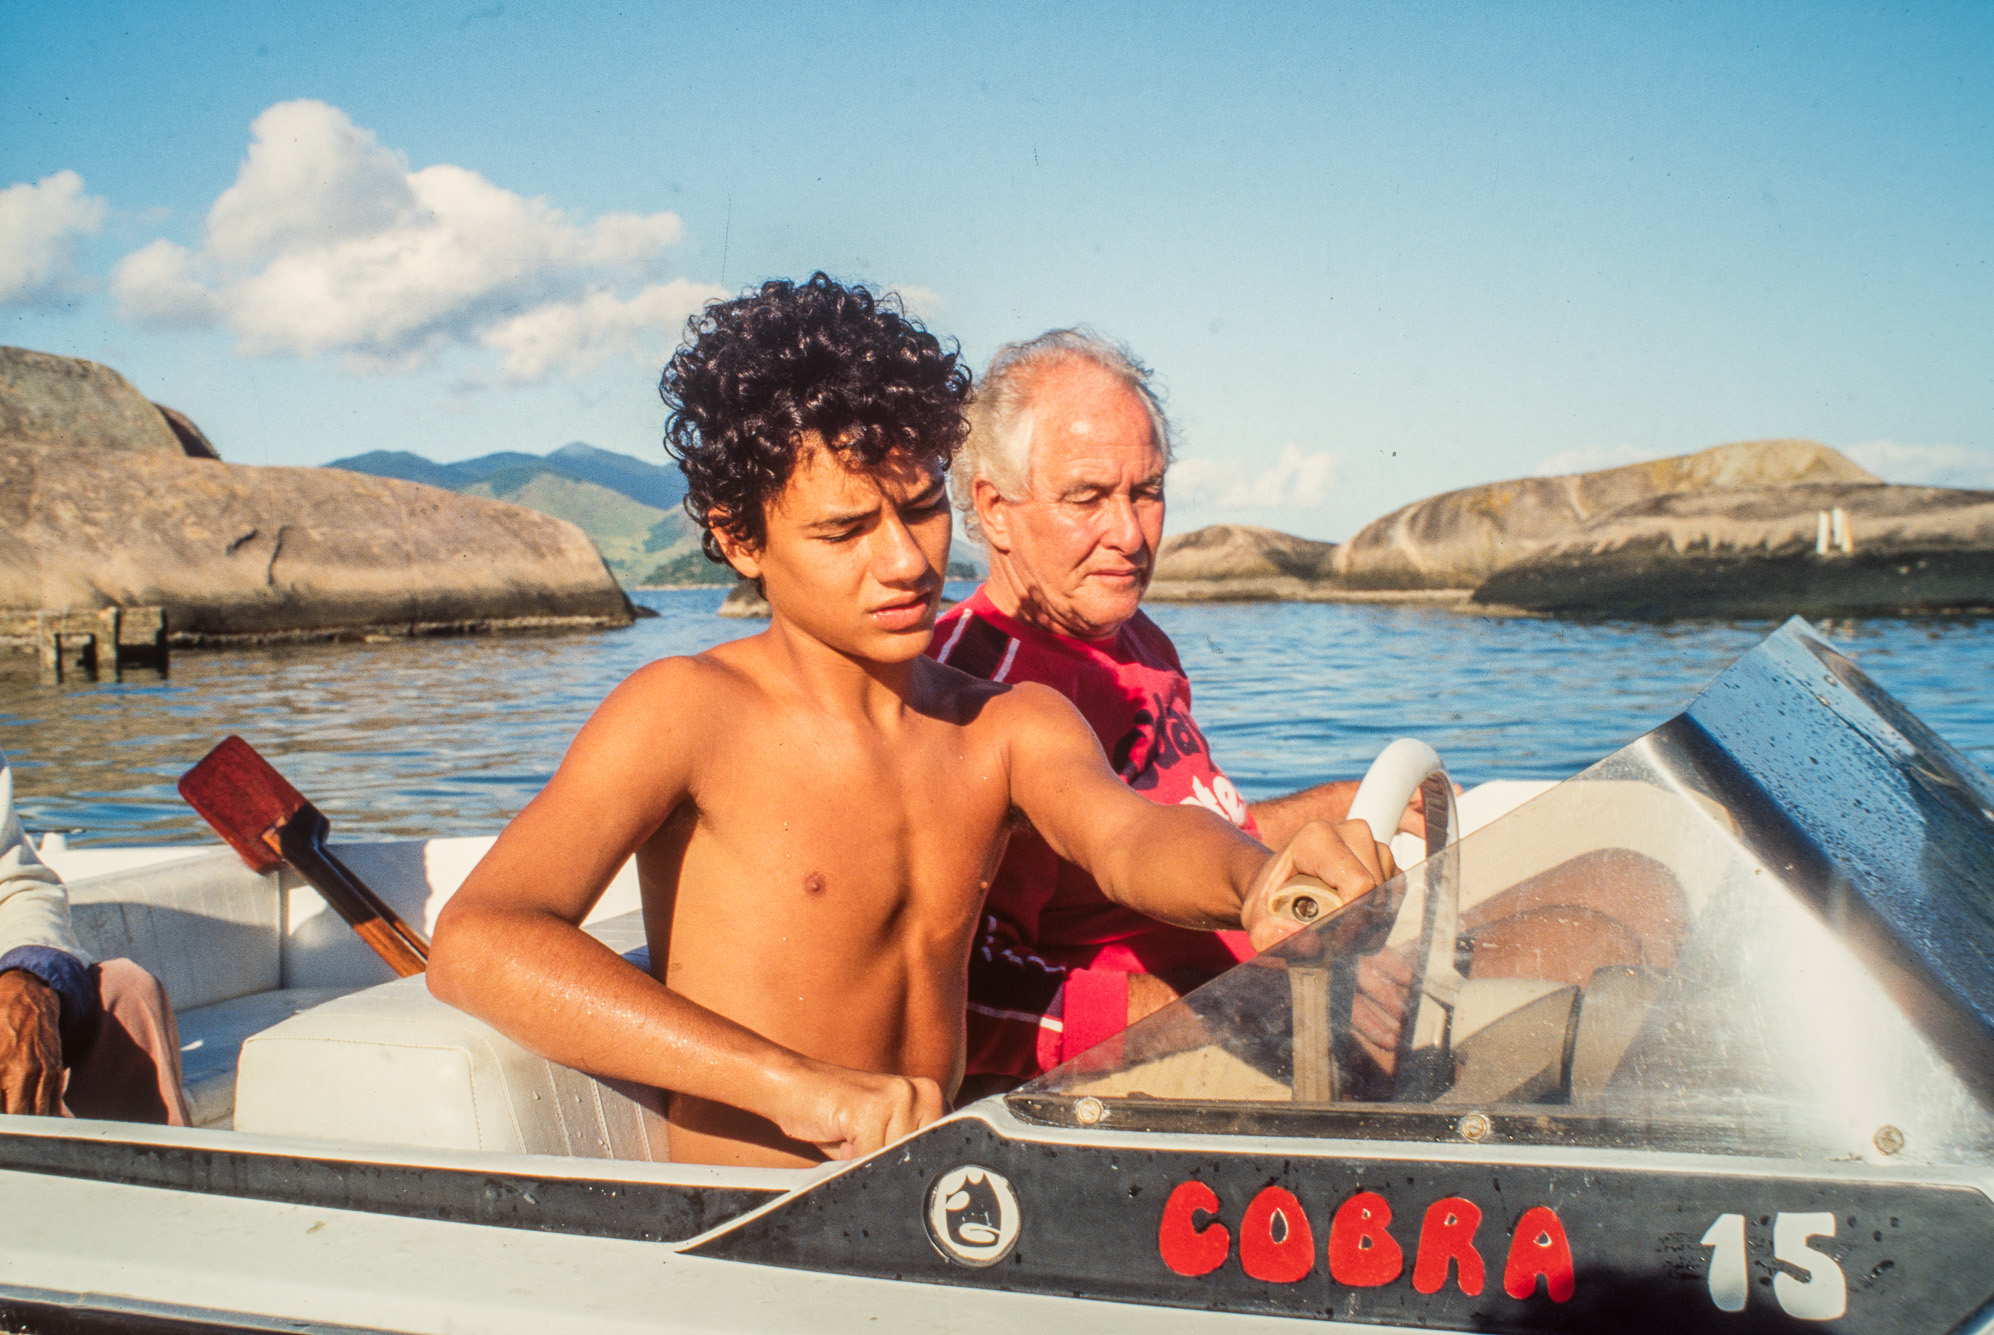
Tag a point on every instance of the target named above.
point(1281, 818)
point(45, 987)
point(1181, 864)
point(509, 947)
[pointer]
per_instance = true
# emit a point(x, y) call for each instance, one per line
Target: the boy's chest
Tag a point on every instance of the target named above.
point(926, 810)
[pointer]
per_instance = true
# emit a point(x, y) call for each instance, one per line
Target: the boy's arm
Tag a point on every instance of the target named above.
point(509, 948)
point(1181, 864)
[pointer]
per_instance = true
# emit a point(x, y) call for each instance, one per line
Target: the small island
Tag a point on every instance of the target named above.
point(1766, 528)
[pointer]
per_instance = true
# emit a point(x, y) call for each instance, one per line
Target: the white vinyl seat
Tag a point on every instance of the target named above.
point(393, 1065)
point(211, 931)
point(211, 1039)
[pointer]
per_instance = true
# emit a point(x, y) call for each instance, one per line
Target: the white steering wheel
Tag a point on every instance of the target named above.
point(1381, 801)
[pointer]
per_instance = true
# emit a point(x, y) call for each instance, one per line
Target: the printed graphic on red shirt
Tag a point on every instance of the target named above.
point(1161, 737)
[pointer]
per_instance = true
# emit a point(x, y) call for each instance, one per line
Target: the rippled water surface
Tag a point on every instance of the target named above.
point(452, 736)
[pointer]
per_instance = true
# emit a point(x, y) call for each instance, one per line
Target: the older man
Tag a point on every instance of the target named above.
point(1062, 480)
point(76, 1038)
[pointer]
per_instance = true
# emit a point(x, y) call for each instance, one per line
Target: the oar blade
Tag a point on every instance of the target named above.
point(243, 797)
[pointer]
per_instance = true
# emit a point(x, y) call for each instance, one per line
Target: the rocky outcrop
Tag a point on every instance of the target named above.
point(1821, 549)
point(64, 400)
point(109, 500)
point(1457, 540)
point(193, 442)
point(232, 551)
point(1239, 563)
point(745, 601)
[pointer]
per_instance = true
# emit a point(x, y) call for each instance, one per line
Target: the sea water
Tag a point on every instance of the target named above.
point(404, 738)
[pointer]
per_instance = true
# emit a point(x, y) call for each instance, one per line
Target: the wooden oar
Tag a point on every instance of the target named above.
point(269, 823)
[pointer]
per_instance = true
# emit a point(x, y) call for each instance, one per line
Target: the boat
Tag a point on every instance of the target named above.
point(1701, 1038)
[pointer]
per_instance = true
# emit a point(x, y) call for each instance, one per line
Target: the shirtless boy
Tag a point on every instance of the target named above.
point(816, 811)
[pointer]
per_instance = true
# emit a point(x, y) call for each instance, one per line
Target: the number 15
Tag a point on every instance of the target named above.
point(1822, 1296)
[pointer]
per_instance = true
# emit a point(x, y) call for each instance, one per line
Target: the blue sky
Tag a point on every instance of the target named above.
point(1373, 252)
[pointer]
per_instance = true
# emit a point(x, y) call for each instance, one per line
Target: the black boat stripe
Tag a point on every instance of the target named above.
point(47, 1312)
point(591, 1207)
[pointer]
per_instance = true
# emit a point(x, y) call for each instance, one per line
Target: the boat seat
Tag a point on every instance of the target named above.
point(210, 930)
point(207, 927)
point(211, 1039)
point(393, 1065)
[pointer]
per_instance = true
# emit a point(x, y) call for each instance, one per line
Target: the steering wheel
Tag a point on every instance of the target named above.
point(1400, 770)
point(1425, 1063)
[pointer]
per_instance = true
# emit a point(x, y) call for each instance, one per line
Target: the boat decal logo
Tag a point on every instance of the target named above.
point(973, 1215)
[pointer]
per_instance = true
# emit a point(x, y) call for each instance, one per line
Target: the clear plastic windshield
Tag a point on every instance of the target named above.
point(1766, 927)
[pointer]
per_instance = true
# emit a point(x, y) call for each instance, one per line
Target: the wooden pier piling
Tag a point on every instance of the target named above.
point(100, 641)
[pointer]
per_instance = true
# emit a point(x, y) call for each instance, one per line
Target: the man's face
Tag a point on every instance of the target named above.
point(1079, 548)
point(854, 555)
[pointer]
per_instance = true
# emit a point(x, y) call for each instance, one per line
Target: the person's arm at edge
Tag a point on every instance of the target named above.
point(1180, 864)
point(1281, 818)
point(509, 947)
point(46, 994)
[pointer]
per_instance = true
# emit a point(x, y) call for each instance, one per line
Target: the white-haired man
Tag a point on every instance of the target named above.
point(1062, 480)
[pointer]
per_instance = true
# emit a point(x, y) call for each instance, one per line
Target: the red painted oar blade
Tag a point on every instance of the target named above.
point(242, 796)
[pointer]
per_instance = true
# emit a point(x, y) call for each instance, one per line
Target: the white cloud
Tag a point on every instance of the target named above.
point(328, 243)
point(39, 225)
point(1590, 459)
point(1296, 481)
point(153, 286)
point(923, 303)
point(578, 336)
point(1930, 465)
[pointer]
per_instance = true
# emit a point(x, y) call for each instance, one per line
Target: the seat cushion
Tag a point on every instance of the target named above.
point(211, 1039)
point(393, 1065)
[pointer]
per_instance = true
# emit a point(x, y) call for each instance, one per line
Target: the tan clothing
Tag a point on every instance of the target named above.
point(127, 1066)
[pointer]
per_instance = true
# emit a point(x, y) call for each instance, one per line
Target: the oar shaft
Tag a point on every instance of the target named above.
point(301, 841)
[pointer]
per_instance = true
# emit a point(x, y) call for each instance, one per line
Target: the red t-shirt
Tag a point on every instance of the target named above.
point(1048, 977)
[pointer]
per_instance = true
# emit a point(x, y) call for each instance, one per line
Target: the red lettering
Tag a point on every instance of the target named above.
point(1448, 1234)
point(1361, 1253)
point(1538, 1247)
point(1185, 1247)
point(1261, 1255)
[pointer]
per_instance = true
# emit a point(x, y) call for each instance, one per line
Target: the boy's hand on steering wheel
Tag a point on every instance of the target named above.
point(1344, 857)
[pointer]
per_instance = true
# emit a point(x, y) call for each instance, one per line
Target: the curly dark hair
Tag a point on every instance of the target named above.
point(756, 373)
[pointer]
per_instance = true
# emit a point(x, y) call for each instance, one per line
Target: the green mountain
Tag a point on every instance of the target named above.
point(629, 507)
point(414, 468)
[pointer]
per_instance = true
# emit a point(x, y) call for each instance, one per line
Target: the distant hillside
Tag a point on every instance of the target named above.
point(661, 486)
point(414, 468)
point(629, 507)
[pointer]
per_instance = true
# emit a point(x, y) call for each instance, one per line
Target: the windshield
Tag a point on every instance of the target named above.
point(1765, 927)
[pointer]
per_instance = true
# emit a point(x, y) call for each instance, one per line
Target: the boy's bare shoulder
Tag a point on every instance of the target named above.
point(678, 688)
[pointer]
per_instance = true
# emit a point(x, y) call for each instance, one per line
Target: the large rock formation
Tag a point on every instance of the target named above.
point(64, 400)
point(104, 505)
point(1766, 552)
point(1456, 540)
point(230, 550)
point(1239, 563)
